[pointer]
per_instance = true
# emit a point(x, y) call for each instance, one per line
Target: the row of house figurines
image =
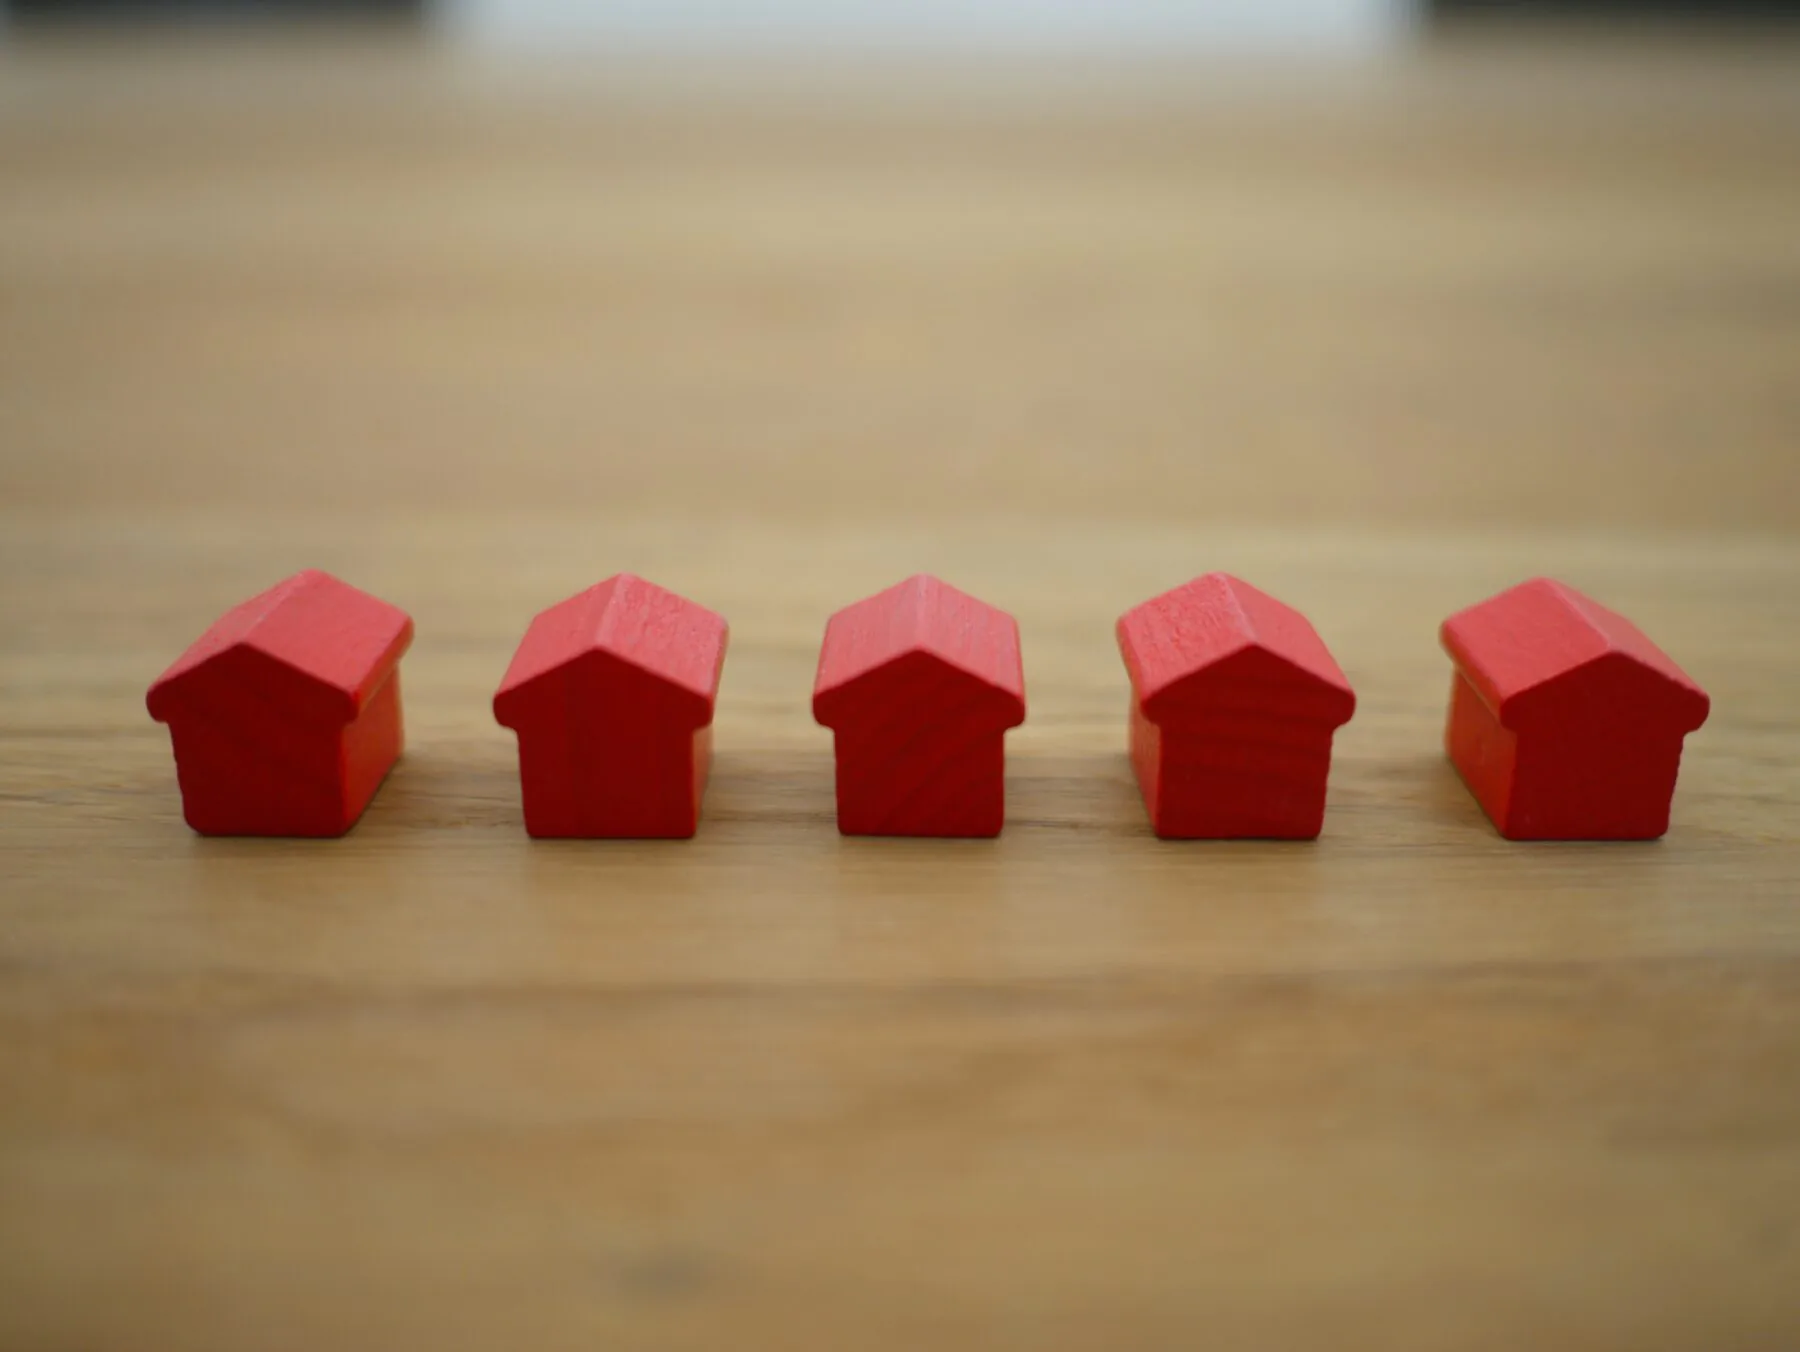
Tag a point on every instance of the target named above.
point(1565, 721)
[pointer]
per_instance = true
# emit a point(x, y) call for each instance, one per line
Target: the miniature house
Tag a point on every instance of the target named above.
point(919, 685)
point(1234, 700)
point(1566, 722)
point(611, 694)
point(285, 715)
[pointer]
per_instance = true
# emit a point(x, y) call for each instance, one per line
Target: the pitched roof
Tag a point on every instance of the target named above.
point(341, 641)
point(1218, 630)
point(1516, 646)
point(928, 617)
point(638, 624)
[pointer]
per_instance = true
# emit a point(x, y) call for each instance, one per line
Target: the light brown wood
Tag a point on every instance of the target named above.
point(472, 338)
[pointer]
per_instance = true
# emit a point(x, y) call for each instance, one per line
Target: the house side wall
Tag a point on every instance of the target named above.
point(1483, 752)
point(371, 744)
point(1146, 758)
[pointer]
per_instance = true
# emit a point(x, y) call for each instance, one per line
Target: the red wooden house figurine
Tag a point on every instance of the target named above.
point(285, 715)
point(1566, 722)
point(1234, 702)
point(612, 693)
point(919, 684)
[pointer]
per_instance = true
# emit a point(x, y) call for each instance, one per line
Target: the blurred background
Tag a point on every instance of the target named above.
point(1368, 262)
point(1006, 23)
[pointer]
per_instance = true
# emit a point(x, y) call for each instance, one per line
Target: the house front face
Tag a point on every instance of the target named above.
point(921, 748)
point(1581, 778)
point(1591, 753)
point(623, 780)
point(607, 750)
point(1228, 778)
point(1607, 786)
point(914, 777)
point(247, 770)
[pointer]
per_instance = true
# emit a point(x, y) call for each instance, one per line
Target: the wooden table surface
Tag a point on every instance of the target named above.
point(474, 336)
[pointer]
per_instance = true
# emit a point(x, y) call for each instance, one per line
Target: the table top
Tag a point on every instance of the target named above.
point(1381, 342)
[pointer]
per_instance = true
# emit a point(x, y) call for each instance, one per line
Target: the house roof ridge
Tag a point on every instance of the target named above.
point(279, 595)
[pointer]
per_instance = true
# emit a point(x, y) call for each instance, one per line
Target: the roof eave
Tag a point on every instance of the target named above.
point(332, 703)
point(834, 705)
point(513, 697)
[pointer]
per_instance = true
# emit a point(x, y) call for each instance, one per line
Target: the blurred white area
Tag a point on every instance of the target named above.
point(1120, 26)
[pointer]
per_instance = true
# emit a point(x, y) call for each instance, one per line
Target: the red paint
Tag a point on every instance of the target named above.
point(1234, 702)
point(285, 715)
point(919, 684)
point(1566, 722)
point(612, 693)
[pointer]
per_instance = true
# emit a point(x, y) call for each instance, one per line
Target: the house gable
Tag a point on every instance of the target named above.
point(914, 686)
point(1252, 682)
point(1613, 692)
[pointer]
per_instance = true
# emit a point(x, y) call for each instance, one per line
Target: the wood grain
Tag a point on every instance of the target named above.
point(472, 339)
